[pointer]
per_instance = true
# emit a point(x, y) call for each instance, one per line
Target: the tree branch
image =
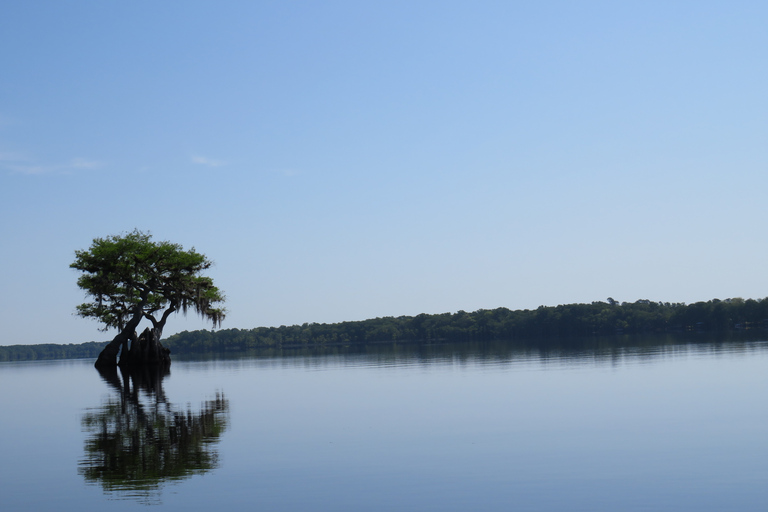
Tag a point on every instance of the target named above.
point(166, 314)
point(151, 319)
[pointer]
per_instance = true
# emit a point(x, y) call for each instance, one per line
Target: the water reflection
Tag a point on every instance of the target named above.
point(543, 353)
point(138, 440)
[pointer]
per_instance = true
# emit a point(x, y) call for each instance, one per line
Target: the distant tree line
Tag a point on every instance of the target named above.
point(51, 351)
point(597, 318)
point(545, 322)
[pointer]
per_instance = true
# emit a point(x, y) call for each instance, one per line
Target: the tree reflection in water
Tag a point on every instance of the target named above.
point(139, 441)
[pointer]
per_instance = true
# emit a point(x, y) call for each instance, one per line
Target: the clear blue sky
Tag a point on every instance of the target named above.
point(346, 160)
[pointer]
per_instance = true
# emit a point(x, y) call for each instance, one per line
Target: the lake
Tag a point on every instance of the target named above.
point(646, 425)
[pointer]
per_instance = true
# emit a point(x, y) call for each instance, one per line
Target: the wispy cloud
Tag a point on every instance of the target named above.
point(84, 163)
point(21, 164)
point(201, 160)
point(8, 156)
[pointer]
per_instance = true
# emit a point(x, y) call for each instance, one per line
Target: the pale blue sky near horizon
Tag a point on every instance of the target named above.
point(347, 160)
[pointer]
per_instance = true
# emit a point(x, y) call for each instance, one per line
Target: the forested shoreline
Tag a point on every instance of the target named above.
point(545, 322)
point(51, 351)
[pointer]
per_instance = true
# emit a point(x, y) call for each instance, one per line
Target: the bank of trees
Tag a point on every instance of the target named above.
point(597, 318)
point(50, 351)
point(568, 320)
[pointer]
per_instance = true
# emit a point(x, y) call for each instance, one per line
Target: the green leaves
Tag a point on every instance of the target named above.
point(130, 276)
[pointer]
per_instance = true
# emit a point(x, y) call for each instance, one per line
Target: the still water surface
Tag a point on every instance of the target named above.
point(651, 427)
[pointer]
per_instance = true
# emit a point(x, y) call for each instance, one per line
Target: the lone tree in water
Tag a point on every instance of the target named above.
point(129, 278)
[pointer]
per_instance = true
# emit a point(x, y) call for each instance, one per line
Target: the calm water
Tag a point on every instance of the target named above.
point(643, 427)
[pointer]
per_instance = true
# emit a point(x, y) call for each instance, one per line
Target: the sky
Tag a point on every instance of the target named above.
point(346, 160)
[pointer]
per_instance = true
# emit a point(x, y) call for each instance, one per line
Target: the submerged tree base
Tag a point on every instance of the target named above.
point(145, 350)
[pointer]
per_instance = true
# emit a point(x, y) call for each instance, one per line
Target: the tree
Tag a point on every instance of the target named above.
point(129, 278)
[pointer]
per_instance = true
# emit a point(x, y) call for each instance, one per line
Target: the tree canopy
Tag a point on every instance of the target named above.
point(484, 325)
point(130, 277)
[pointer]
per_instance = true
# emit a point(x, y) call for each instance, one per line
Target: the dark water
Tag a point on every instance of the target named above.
point(645, 426)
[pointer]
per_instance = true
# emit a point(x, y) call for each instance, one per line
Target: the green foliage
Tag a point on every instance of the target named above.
point(50, 351)
point(597, 318)
point(129, 276)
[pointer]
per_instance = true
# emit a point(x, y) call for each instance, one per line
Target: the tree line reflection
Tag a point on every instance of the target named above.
point(138, 440)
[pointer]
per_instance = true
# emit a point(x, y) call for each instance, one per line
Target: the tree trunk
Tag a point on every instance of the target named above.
point(145, 350)
point(108, 356)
